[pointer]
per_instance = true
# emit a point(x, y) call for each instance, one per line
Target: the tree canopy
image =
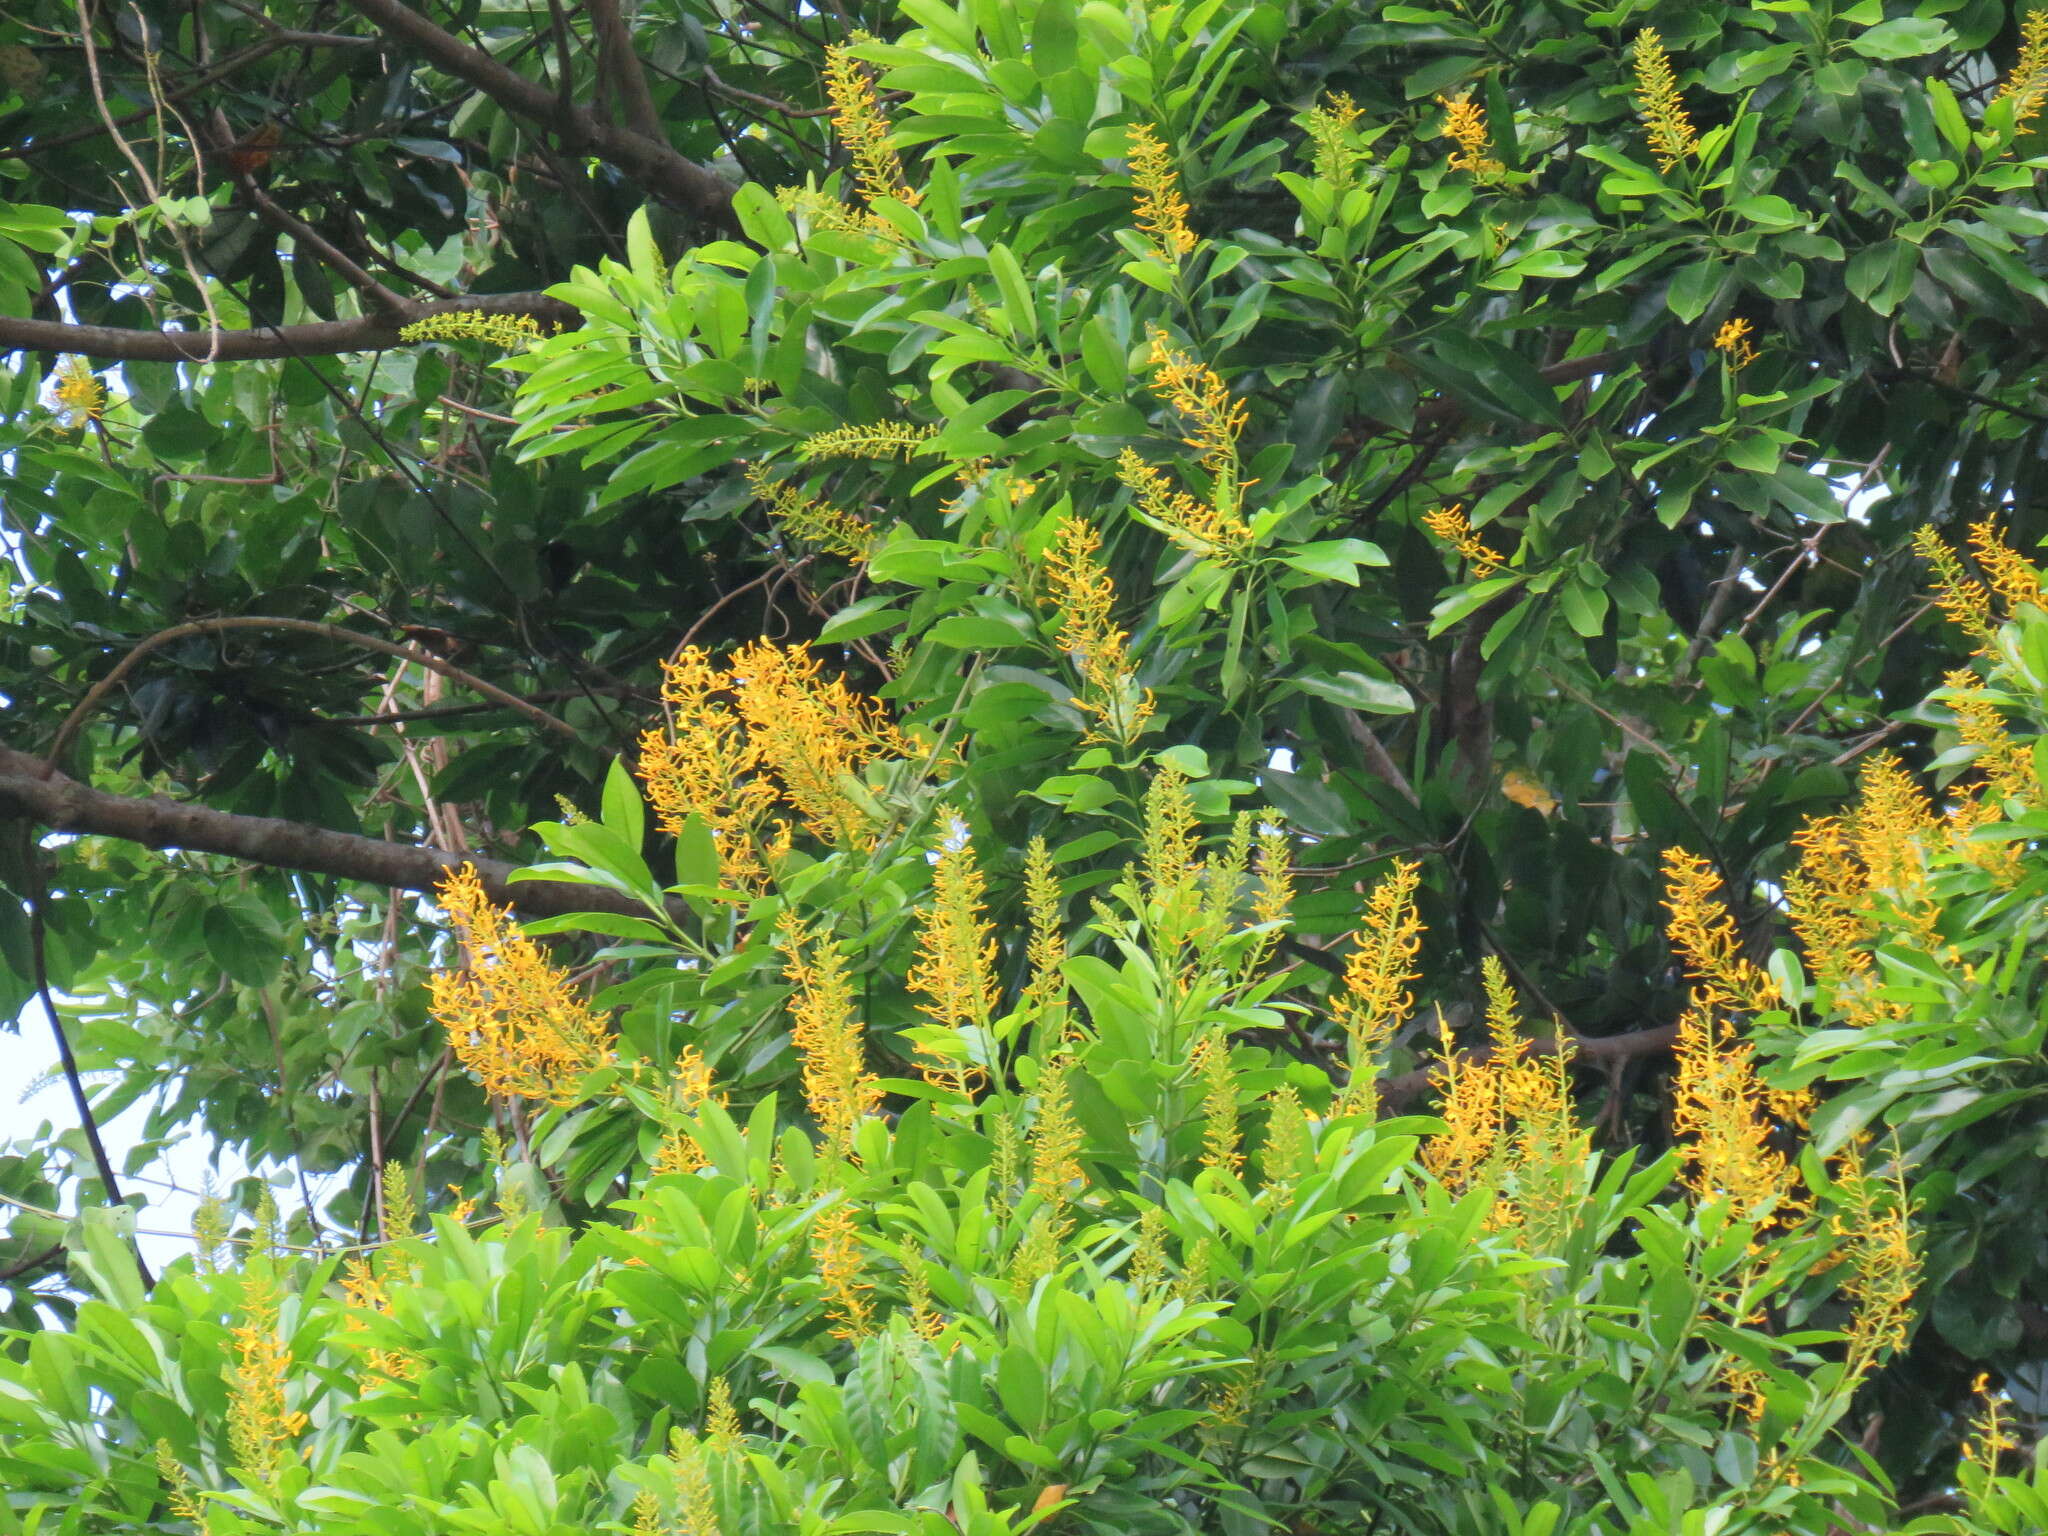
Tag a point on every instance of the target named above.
point(1157, 767)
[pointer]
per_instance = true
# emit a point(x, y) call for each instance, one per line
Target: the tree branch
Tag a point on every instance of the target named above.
point(324, 338)
point(650, 162)
point(621, 66)
point(64, 805)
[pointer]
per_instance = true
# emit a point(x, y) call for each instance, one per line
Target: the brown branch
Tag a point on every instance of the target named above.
point(63, 804)
point(305, 238)
point(365, 333)
point(650, 162)
point(1625, 1047)
point(427, 659)
point(619, 64)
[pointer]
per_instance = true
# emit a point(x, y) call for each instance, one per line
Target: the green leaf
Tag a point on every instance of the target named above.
point(623, 810)
point(1355, 690)
point(1907, 37)
point(1693, 288)
point(1467, 600)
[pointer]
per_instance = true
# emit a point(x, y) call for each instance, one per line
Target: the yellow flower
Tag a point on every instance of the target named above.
point(1161, 212)
point(1080, 590)
point(1961, 596)
point(511, 1018)
point(1210, 1062)
point(955, 968)
point(1056, 1139)
point(1719, 1113)
point(260, 1427)
point(877, 440)
point(1197, 391)
point(689, 1091)
point(1989, 1437)
point(1194, 525)
point(1449, 525)
point(1335, 151)
point(512, 332)
point(691, 1473)
point(79, 395)
point(833, 529)
point(2012, 576)
point(1375, 998)
point(178, 1493)
point(836, 1255)
point(1702, 930)
point(2027, 85)
point(862, 126)
point(1874, 1220)
point(1465, 126)
point(838, 1089)
point(1287, 1154)
point(1669, 129)
point(1470, 1107)
point(1732, 342)
point(1047, 947)
point(2007, 765)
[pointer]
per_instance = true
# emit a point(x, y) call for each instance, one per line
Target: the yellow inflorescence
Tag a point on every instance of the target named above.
point(511, 332)
point(79, 395)
point(2012, 576)
point(839, 1091)
point(1210, 1061)
point(877, 440)
point(1874, 1221)
point(1056, 1139)
point(1469, 1104)
point(178, 1493)
point(1287, 1154)
point(1197, 391)
point(1376, 996)
point(2007, 765)
point(1047, 947)
point(1335, 152)
point(1465, 126)
point(1079, 589)
point(1702, 930)
point(1449, 525)
point(815, 521)
point(366, 1291)
point(1732, 342)
point(1720, 1113)
point(690, 1089)
point(1665, 122)
point(764, 732)
point(512, 1018)
point(690, 1471)
point(260, 1428)
point(836, 1254)
point(862, 126)
point(1161, 212)
point(2027, 85)
point(1965, 600)
point(1194, 525)
point(956, 955)
point(1990, 1437)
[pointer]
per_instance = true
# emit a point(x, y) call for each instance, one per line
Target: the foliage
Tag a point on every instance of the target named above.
point(1490, 440)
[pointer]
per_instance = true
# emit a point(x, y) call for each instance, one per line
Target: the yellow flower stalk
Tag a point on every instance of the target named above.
point(1046, 949)
point(1720, 1117)
point(1665, 123)
point(1960, 595)
point(1146, 1267)
point(511, 1018)
point(1375, 998)
point(1465, 126)
point(2012, 576)
point(2007, 766)
point(1287, 1154)
point(209, 1231)
point(862, 126)
point(925, 1319)
point(876, 440)
point(1080, 591)
point(1335, 152)
point(814, 209)
point(79, 395)
point(836, 1255)
point(689, 1091)
point(365, 1291)
point(833, 529)
point(261, 1428)
point(1732, 342)
point(839, 1091)
point(809, 733)
point(1892, 816)
point(1874, 1221)
point(178, 1493)
point(956, 955)
point(1210, 1062)
point(1702, 930)
point(1056, 1139)
point(1197, 391)
point(704, 766)
point(721, 1418)
point(1469, 1104)
point(1193, 525)
point(690, 1471)
point(1449, 525)
point(1160, 211)
point(1827, 897)
point(512, 332)
point(2027, 84)
point(1990, 1437)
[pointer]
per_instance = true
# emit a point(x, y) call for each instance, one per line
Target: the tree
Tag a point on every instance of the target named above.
point(1486, 439)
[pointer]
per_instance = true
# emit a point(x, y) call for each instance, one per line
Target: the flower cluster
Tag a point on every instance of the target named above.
point(2027, 84)
point(955, 967)
point(260, 1426)
point(1375, 999)
point(831, 528)
point(1335, 151)
point(78, 394)
point(1081, 593)
point(862, 125)
point(1732, 342)
point(1449, 525)
point(1161, 212)
point(512, 332)
point(1465, 126)
point(1669, 129)
point(839, 1090)
point(512, 1019)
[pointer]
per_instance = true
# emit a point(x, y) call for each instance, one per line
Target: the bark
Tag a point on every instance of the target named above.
point(28, 792)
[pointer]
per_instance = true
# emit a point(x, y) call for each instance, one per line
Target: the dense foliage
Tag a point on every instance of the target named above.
point(1075, 579)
